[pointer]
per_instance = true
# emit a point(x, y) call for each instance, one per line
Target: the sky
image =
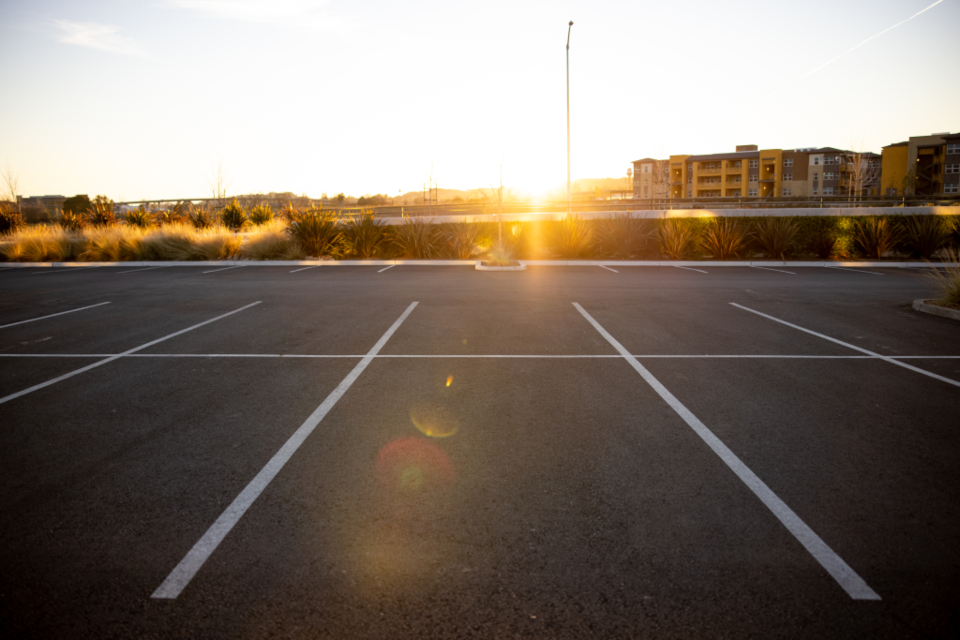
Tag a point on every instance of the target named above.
point(138, 100)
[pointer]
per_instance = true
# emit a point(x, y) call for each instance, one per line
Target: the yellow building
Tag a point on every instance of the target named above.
point(746, 173)
point(923, 165)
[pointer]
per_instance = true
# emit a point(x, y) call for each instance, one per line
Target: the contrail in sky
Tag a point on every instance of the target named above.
point(857, 46)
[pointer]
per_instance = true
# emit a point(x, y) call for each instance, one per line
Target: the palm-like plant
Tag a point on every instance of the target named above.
point(677, 240)
point(261, 214)
point(623, 236)
point(417, 238)
point(317, 231)
point(925, 235)
point(365, 237)
point(571, 237)
point(776, 236)
point(726, 238)
point(100, 213)
point(10, 220)
point(462, 239)
point(234, 216)
point(139, 217)
point(200, 217)
point(876, 237)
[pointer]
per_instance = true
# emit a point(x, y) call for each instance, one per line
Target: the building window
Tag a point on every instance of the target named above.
point(816, 176)
point(952, 168)
point(828, 191)
point(752, 193)
point(829, 175)
point(689, 193)
point(689, 168)
point(891, 191)
point(952, 149)
point(754, 177)
point(816, 160)
point(814, 191)
point(733, 165)
point(788, 162)
point(754, 164)
point(788, 177)
point(950, 188)
point(828, 160)
point(787, 191)
point(689, 180)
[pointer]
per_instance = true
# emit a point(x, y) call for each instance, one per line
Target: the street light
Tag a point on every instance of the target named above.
point(568, 116)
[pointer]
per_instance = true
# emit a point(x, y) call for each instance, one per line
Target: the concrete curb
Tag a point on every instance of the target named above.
point(943, 312)
point(450, 263)
point(522, 267)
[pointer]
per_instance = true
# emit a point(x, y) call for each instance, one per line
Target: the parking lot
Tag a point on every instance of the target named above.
point(442, 452)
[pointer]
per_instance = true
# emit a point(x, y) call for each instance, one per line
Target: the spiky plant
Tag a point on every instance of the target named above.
point(875, 237)
point(365, 237)
point(570, 237)
point(726, 238)
point(776, 236)
point(139, 217)
point(461, 239)
point(623, 236)
point(261, 214)
point(416, 238)
point(10, 220)
point(200, 217)
point(677, 239)
point(172, 216)
point(925, 235)
point(317, 231)
point(71, 220)
point(100, 213)
point(823, 243)
point(234, 216)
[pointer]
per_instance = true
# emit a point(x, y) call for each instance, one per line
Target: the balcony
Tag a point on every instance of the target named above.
point(708, 172)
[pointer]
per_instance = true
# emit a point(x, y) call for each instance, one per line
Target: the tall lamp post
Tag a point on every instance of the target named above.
point(569, 198)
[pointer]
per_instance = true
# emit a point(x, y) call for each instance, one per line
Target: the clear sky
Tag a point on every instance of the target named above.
point(143, 99)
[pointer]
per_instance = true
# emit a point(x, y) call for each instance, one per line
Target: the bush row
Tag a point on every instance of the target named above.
point(233, 232)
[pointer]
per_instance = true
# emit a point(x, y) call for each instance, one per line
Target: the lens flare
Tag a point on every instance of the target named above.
point(434, 421)
point(449, 380)
point(413, 465)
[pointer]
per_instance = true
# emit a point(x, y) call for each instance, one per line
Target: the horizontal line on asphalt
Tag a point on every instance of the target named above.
point(534, 357)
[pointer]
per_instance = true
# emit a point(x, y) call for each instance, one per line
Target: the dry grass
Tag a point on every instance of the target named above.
point(42, 244)
point(271, 242)
point(948, 280)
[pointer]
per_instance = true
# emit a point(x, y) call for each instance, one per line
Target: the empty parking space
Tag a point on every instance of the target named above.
point(447, 452)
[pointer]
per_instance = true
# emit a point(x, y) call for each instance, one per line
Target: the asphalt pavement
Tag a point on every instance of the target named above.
point(258, 453)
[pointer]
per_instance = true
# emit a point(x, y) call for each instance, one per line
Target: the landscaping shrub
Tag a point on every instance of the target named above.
point(317, 231)
point(112, 244)
point(570, 238)
point(365, 237)
point(416, 238)
point(216, 244)
point(41, 244)
point(623, 236)
point(823, 243)
point(518, 238)
point(200, 217)
point(234, 216)
point(71, 221)
point(461, 239)
point(271, 244)
point(925, 235)
point(948, 281)
point(100, 213)
point(164, 217)
point(261, 214)
point(139, 217)
point(776, 236)
point(726, 238)
point(171, 242)
point(875, 236)
point(677, 240)
point(10, 220)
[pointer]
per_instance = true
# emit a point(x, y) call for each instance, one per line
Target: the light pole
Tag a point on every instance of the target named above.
point(569, 28)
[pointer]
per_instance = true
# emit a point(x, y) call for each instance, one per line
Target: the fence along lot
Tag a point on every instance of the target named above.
point(259, 452)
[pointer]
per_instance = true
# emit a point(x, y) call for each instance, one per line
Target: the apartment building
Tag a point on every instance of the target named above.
point(645, 183)
point(922, 165)
point(751, 172)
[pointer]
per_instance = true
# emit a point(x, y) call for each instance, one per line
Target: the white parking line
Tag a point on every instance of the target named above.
point(689, 269)
point(607, 268)
point(503, 356)
point(67, 270)
point(769, 269)
point(855, 270)
point(53, 315)
point(313, 266)
point(119, 355)
point(224, 269)
point(136, 270)
point(183, 573)
point(852, 346)
point(845, 576)
point(385, 268)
